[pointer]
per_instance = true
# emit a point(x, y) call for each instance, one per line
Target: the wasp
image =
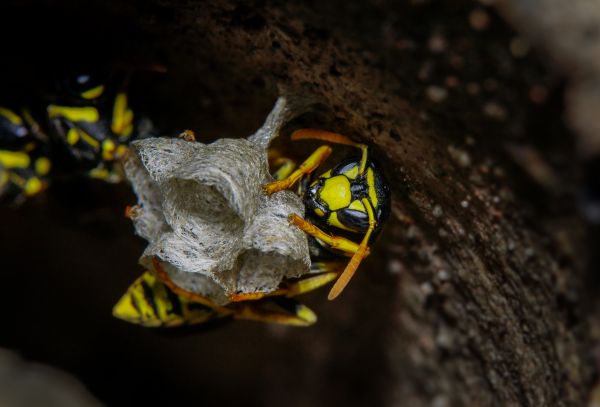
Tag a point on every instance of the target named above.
point(85, 119)
point(346, 208)
point(91, 119)
point(25, 154)
point(154, 301)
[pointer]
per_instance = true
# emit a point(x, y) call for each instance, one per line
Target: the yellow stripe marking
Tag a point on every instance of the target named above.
point(108, 150)
point(11, 116)
point(93, 93)
point(127, 131)
point(334, 221)
point(42, 166)
point(99, 173)
point(33, 186)
point(371, 183)
point(74, 114)
point(352, 173)
point(14, 159)
point(72, 136)
point(121, 151)
point(303, 315)
point(326, 174)
point(122, 116)
point(357, 206)
point(310, 283)
point(89, 140)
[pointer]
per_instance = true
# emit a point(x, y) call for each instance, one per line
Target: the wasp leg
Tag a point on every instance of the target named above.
point(360, 254)
point(286, 166)
point(321, 273)
point(150, 303)
point(314, 134)
point(188, 295)
point(335, 242)
point(278, 310)
point(306, 167)
point(239, 297)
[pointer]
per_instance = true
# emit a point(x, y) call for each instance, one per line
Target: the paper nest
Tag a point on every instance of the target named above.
point(206, 218)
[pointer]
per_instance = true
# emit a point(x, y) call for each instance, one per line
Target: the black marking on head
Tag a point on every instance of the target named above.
point(359, 188)
point(312, 201)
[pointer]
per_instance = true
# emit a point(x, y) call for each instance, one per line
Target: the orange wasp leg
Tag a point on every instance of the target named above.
point(286, 166)
point(292, 288)
point(301, 315)
point(308, 166)
point(335, 242)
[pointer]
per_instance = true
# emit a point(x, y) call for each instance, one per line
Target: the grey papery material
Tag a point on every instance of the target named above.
point(205, 217)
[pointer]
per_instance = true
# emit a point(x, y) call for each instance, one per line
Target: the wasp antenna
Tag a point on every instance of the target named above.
point(315, 134)
point(345, 277)
point(358, 256)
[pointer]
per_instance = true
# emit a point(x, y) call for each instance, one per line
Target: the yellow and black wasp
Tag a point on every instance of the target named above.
point(24, 155)
point(346, 207)
point(86, 121)
point(92, 120)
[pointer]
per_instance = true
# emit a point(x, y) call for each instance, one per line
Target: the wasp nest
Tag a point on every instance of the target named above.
point(205, 217)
